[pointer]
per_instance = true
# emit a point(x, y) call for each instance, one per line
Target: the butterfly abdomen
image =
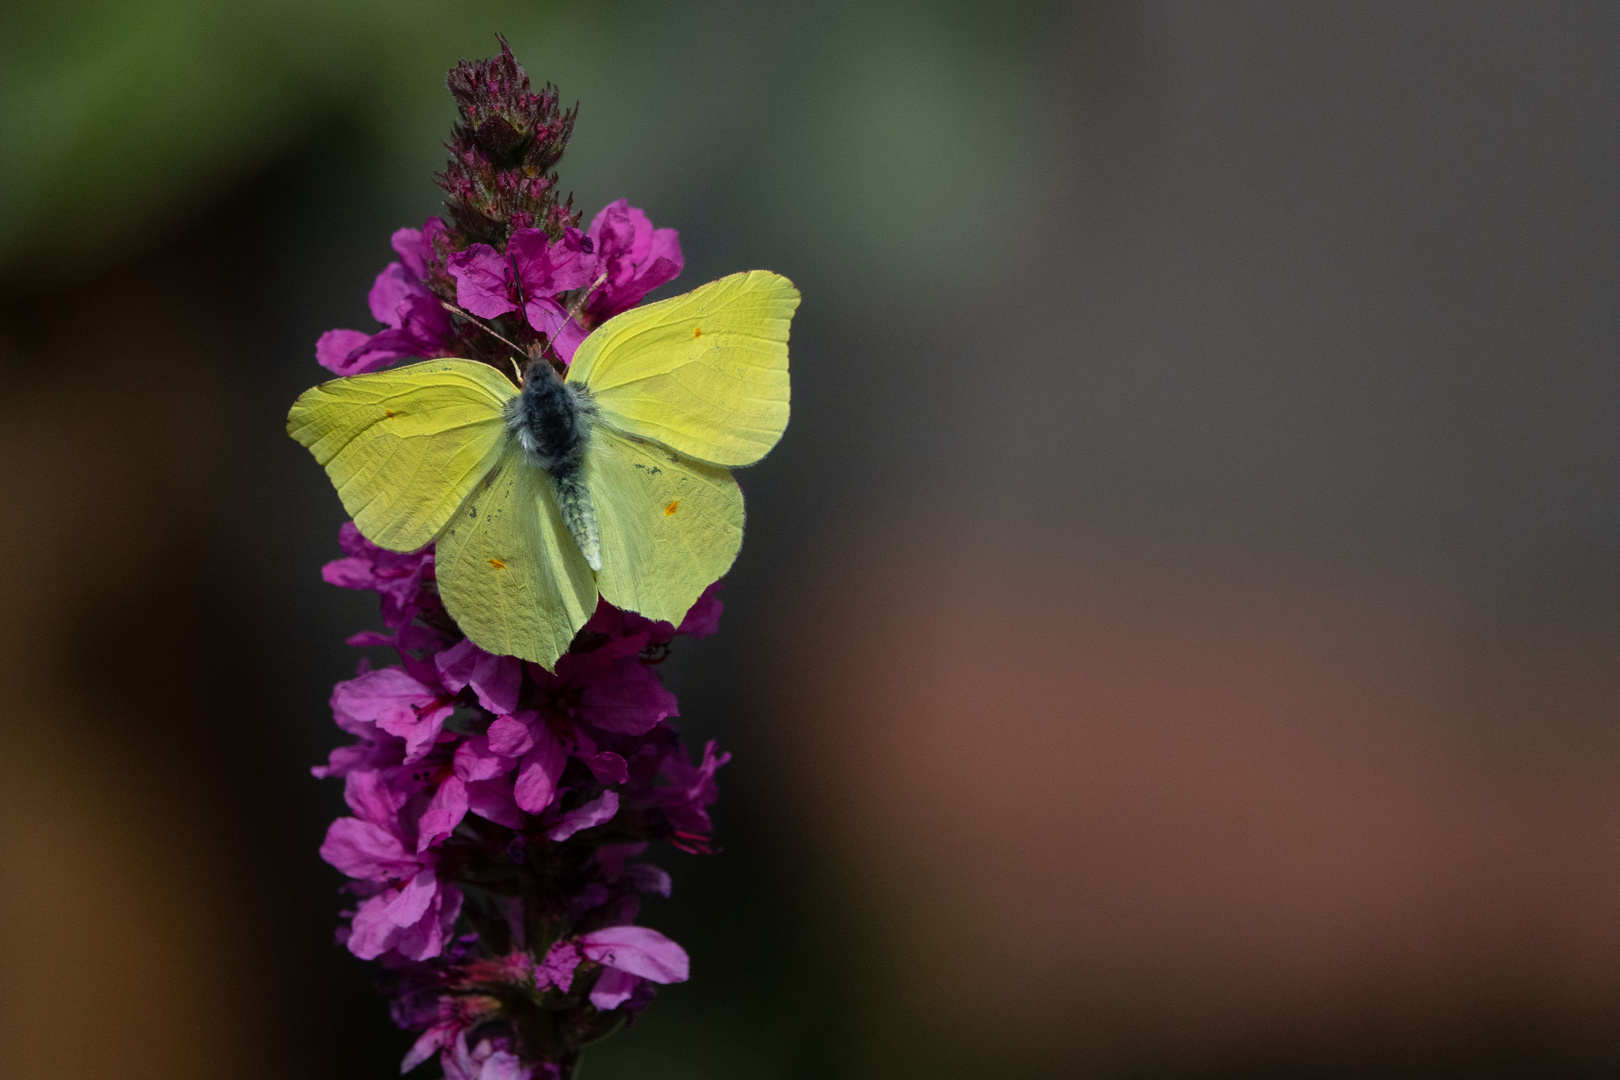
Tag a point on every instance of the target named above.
point(551, 421)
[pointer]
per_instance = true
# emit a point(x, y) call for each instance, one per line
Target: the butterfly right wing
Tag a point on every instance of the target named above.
point(404, 446)
point(509, 572)
point(670, 526)
point(704, 373)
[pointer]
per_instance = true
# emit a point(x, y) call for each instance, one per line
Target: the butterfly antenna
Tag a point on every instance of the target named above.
point(490, 330)
point(572, 314)
point(577, 308)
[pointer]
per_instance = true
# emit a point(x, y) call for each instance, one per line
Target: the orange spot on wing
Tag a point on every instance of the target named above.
point(497, 564)
point(697, 331)
point(388, 413)
point(672, 507)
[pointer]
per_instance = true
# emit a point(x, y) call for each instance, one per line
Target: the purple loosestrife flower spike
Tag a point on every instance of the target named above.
point(498, 812)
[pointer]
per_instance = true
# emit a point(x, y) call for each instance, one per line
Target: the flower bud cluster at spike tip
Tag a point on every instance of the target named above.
point(503, 152)
point(497, 813)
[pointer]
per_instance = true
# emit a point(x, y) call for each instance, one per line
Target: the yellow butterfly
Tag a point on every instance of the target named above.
point(613, 480)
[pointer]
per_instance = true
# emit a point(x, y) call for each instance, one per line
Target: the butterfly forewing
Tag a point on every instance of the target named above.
point(403, 447)
point(705, 373)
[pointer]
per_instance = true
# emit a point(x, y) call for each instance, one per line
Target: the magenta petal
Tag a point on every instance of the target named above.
point(665, 247)
point(545, 268)
point(419, 728)
point(474, 760)
point(539, 772)
point(366, 755)
point(548, 317)
point(425, 938)
point(647, 878)
point(412, 902)
point(429, 1043)
point(572, 261)
point(395, 701)
point(333, 349)
point(496, 680)
point(371, 931)
point(703, 617)
point(387, 346)
point(370, 637)
point(606, 766)
point(428, 323)
point(393, 287)
point(444, 813)
point(483, 281)
point(415, 248)
point(635, 257)
point(513, 736)
point(657, 272)
point(487, 1061)
point(527, 250)
point(638, 950)
point(600, 809)
point(629, 700)
point(351, 541)
point(386, 692)
point(613, 229)
point(492, 800)
point(349, 573)
point(364, 851)
point(613, 988)
point(374, 799)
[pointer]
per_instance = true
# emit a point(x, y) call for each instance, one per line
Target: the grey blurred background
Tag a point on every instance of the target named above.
point(1179, 635)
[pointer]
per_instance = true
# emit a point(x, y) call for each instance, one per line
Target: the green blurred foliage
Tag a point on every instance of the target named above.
point(119, 118)
point(898, 132)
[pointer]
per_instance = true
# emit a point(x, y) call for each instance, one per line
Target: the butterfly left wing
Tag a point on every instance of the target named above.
point(404, 446)
point(670, 526)
point(509, 573)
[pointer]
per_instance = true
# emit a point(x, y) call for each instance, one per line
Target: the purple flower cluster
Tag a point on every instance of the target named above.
point(512, 253)
point(607, 269)
point(497, 810)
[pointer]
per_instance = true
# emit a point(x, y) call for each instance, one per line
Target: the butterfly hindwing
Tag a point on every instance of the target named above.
point(404, 446)
point(670, 526)
point(509, 573)
point(704, 373)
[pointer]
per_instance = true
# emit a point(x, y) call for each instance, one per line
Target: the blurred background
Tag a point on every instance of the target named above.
point(1179, 635)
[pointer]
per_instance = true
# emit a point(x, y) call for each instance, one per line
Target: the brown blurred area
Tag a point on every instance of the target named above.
point(1179, 635)
point(1103, 812)
point(123, 953)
